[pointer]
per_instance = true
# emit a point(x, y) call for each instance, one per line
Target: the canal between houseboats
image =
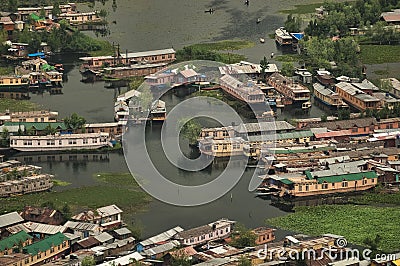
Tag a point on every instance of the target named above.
point(157, 24)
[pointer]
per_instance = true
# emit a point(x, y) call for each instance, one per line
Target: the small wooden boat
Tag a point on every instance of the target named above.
point(306, 105)
point(258, 20)
point(262, 40)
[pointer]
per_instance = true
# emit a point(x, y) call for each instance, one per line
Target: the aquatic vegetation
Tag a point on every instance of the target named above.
point(356, 223)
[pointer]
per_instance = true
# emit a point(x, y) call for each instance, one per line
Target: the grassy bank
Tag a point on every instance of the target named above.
point(112, 188)
point(288, 58)
point(355, 223)
point(378, 198)
point(302, 9)
point(217, 51)
point(17, 105)
point(106, 49)
point(379, 54)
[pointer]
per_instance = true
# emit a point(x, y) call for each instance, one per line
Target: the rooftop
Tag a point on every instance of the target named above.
point(45, 244)
point(14, 240)
point(10, 219)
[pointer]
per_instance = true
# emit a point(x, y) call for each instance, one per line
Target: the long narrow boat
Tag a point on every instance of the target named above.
point(328, 97)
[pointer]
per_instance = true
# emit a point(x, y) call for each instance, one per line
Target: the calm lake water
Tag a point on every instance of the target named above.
point(157, 24)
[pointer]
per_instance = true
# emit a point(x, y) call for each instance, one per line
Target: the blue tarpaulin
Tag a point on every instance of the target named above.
point(298, 36)
point(41, 55)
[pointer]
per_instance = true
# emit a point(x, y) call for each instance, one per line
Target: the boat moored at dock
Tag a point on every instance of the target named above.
point(60, 142)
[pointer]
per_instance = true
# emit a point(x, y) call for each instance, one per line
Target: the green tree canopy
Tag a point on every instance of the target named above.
point(243, 237)
point(74, 122)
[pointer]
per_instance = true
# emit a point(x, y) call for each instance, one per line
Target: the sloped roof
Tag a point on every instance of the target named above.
point(45, 244)
point(164, 236)
point(347, 177)
point(122, 231)
point(38, 125)
point(109, 210)
point(10, 219)
point(89, 242)
point(14, 240)
point(195, 232)
point(161, 248)
point(104, 237)
point(264, 126)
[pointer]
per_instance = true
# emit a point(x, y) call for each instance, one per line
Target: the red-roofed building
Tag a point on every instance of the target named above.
point(392, 17)
point(42, 215)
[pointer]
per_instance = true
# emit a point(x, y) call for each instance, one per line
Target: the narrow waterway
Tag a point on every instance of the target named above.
point(156, 24)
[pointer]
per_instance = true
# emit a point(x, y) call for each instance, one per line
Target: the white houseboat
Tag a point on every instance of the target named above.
point(86, 141)
point(282, 37)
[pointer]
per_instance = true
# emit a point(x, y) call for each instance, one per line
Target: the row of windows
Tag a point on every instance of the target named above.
point(53, 142)
point(326, 185)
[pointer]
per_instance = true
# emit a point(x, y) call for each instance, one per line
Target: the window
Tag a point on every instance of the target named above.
point(215, 147)
point(307, 187)
point(85, 141)
point(364, 182)
point(325, 186)
point(345, 184)
point(300, 188)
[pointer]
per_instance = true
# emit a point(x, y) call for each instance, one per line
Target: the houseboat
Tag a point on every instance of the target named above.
point(292, 92)
point(146, 57)
point(54, 77)
point(158, 111)
point(249, 93)
point(356, 97)
point(328, 182)
point(282, 37)
point(25, 185)
point(121, 111)
point(13, 83)
point(60, 142)
point(328, 97)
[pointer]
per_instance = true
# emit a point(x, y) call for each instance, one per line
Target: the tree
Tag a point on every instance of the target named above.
point(42, 13)
point(264, 64)
point(243, 261)
point(190, 129)
point(243, 237)
point(74, 122)
point(66, 211)
point(287, 69)
point(324, 118)
point(344, 114)
point(88, 261)
point(49, 130)
point(56, 8)
point(102, 13)
point(373, 244)
point(5, 136)
point(145, 97)
point(293, 24)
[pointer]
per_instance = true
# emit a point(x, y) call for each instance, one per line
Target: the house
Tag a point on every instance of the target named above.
point(264, 235)
point(42, 215)
point(104, 238)
point(124, 260)
point(217, 230)
point(121, 233)
point(50, 247)
point(42, 116)
point(86, 243)
point(391, 17)
point(18, 49)
point(106, 217)
point(159, 251)
point(38, 230)
point(158, 239)
point(186, 252)
point(386, 100)
point(115, 248)
point(9, 219)
point(356, 97)
point(366, 86)
point(14, 259)
point(10, 244)
point(246, 68)
point(186, 76)
point(303, 75)
point(76, 18)
point(325, 78)
point(82, 229)
point(394, 86)
point(6, 24)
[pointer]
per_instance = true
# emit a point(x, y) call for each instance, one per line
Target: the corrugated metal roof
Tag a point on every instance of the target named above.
point(104, 237)
point(123, 231)
point(125, 260)
point(161, 248)
point(109, 210)
point(264, 126)
point(47, 229)
point(10, 219)
point(162, 237)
